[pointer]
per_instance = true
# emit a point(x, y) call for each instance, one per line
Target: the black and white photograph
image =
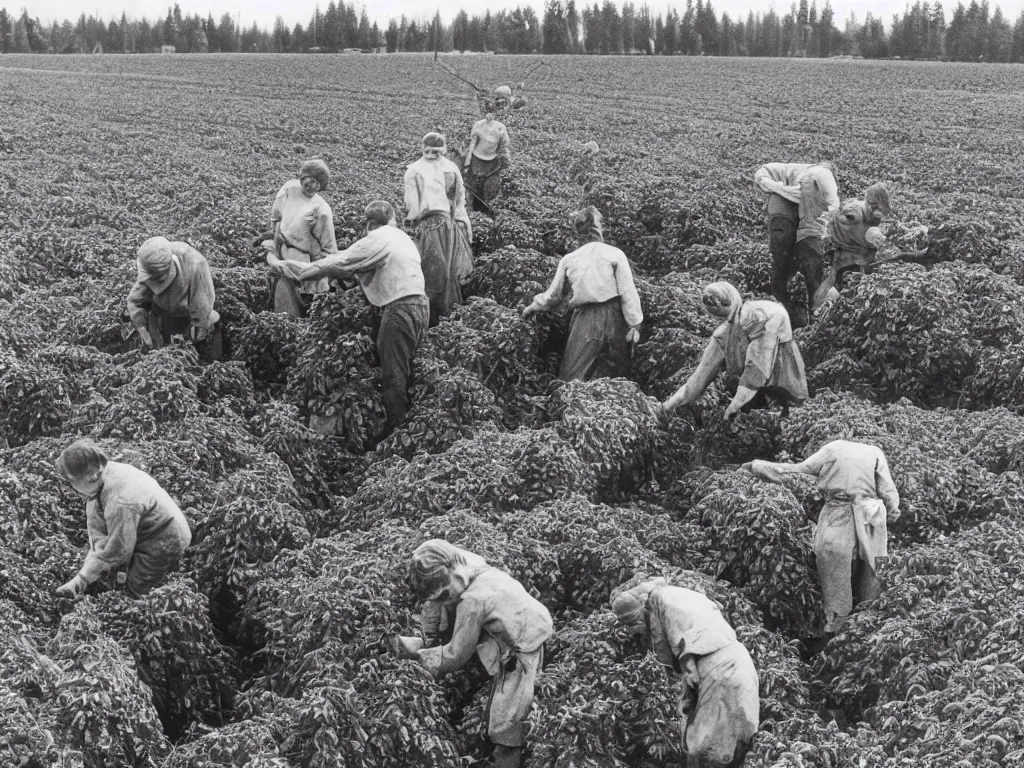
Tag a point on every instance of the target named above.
point(512, 384)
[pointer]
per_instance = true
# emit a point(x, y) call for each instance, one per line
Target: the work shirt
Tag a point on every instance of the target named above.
point(190, 294)
point(685, 623)
point(494, 610)
point(435, 186)
point(848, 471)
point(307, 226)
point(132, 511)
point(811, 186)
point(854, 230)
point(596, 273)
point(386, 262)
point(491, 140)
point(758, 348)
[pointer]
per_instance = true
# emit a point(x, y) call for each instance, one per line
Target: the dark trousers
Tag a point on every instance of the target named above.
point(790, 257)
point(289, 300)
point(403, 326)
point(163, 325)
point(597, 343)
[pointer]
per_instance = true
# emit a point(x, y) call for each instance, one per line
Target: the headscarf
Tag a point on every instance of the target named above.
point(630, 604)
point(434, 140)
point(154, 260)
point(589, 223)
point(431, 564)
point(503, 91)
point(318, 170)
point(879, 196)
point(722, 300)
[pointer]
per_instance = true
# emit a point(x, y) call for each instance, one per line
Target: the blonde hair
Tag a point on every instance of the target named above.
point(431, 564)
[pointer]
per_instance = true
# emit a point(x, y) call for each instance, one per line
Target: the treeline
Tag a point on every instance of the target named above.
point(921, 32)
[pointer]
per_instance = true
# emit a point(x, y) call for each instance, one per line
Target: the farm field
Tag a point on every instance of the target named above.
point(269, 648)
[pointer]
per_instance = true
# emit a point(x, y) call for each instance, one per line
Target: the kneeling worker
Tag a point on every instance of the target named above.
point(387, 264)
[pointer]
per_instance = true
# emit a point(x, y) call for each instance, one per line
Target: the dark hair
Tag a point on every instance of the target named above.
point(379, 212)
point(318, 170)
point(80, 459)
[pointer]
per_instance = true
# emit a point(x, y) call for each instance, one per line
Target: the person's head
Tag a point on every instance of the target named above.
point(629, 603)
point(721, 300)
point(81, 464)
point(877, 199)
point(589, 224)
point(314, 175)
point(503, 92)
point(155, 264)
point(434, 146)
point(379, 213)
point(432, 571)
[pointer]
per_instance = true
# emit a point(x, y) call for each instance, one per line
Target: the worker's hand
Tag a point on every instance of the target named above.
point(892, 517)
point(749, 467)
point(531, 310)
point(406, 647)
point(146, 336)
point(199, 333)
point(633, 336)
point(731, 411)
point(74, 588)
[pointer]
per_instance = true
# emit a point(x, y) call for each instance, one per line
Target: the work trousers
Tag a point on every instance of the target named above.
point(790, 256)
point(597, 343)
point(403, 326)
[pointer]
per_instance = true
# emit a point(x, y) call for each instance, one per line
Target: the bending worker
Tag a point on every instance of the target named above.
point(689, 635)
point(387, 265)
point(173, 295)
point(435, 202)
point(799, 195)
point(131, 521)
point(304, 232)
point(496, 618)
point(855, 231)
point(860, 498)
point(488, 156)
point(755, 342)
point(607, 314)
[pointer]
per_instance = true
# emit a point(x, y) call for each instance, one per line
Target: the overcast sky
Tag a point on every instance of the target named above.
point(265, 11)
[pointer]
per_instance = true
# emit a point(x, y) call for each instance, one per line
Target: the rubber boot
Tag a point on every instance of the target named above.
point(506, 757)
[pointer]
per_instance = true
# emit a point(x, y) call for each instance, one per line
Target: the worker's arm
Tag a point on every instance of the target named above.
point(459, 212)
point(200, 299)
point(886, 489)
point(710, 364)
point(469, 623)
point(762, 331)
point(504, 148)
point(323, 230)
point(775, 472)
point(276, 215)
point(474, 139)
point(770, 178)
point(115, 548)
point(553, 296)
point(660, 643)
point(413, 196)
point(631, 310)
point(364, 255)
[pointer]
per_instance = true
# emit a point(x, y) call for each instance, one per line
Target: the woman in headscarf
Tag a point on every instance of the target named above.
point(496, 618)
point(435, 202)
point(755, 342)
point(488, 156)
point(303, 232)
point(720, 704)
point(607, 314)
point(860, 498)
point(131, 520)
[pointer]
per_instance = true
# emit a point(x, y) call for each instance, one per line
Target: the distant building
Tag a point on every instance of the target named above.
point(168, 49)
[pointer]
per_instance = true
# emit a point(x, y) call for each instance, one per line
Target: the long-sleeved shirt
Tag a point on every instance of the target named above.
point(847, 470)
point(595, 273)
point(750, 347)
point(491, 140)
point(811, 186)
point(306, 224)
point(685, 623)
point(189, 294)
point(131, 512)
point(853, 229)
point(386, 262)
point(435, 186)
point(496, 605)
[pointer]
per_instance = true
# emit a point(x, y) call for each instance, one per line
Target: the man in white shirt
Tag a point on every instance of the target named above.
point(387, 264)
